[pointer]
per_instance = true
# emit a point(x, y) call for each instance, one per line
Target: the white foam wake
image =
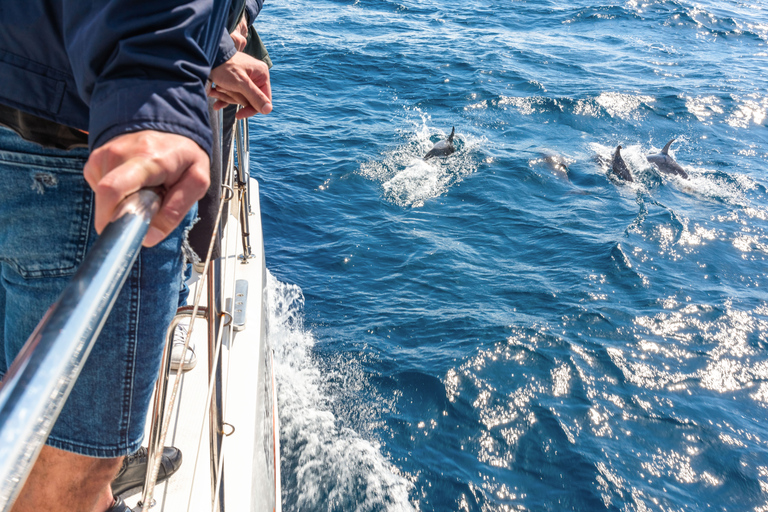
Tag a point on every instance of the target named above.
point(326, 465)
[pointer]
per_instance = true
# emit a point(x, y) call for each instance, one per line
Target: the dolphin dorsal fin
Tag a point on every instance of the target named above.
point(450, 137)
point(665, 151)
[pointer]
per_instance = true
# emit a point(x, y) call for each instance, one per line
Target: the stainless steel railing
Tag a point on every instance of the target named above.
point(41, 377)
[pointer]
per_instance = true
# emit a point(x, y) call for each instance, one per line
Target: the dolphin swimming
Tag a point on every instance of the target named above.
point(557, 164)
point(666, 163)
point(442, 148)
point(619, 167)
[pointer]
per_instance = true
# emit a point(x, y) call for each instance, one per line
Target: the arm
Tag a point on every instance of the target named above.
point(242, 79)
point(141, 66)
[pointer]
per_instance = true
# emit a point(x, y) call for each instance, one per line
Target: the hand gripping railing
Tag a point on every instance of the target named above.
point(41, 377)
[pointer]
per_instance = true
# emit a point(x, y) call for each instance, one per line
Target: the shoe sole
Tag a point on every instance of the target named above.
point(187, 366)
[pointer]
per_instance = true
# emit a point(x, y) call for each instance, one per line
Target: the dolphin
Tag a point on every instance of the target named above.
point(442, 148)
point(666, 163)
point(619, 167)
point(558, 164)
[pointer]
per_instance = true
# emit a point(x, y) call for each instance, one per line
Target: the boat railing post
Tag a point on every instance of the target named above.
point(215, 308)
point(39, 380)
point(216, 418)
point(246, 159)
point(243, 180)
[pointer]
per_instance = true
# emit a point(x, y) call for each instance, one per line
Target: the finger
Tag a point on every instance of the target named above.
point(225, 99)
point(236, 100)
point(91, 173)
point(267, 87)
point(101, 161)
point(230, 96)
point(119, 183)
point(245, 112)
point(239, 40)
point(177, 202)
point(258, 96)
point(219, 93)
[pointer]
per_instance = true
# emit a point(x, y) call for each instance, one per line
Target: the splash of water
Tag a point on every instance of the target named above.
point(407, 180)
point(325, 464)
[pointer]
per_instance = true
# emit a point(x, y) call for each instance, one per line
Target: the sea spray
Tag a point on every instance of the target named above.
point(325, 464)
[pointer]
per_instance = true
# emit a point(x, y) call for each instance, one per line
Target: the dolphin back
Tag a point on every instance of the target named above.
point(442, 148)
point(665, 163)
point(665, 151)
point(619, 167)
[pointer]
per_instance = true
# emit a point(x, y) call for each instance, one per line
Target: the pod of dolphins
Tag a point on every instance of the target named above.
point(663, 161)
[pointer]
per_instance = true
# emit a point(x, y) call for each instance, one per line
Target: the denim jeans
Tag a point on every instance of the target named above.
point(46, 228)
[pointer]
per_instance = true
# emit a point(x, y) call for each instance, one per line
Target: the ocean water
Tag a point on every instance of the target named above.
point(493, 331)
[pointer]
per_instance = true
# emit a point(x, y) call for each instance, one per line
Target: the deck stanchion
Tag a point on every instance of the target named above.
point(216, 419)
point(243, 180)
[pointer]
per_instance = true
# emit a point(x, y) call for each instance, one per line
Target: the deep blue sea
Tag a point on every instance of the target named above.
point(493, 331)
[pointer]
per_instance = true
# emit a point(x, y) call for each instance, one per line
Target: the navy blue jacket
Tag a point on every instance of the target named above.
point(253, 7)
point(113, 66)
point(248, 8)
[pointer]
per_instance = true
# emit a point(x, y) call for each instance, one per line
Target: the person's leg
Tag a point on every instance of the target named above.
point(45, 230)
point(3, 361)
point(208, 206)
point(180, 334)
point(63, 480)
point(184, 291)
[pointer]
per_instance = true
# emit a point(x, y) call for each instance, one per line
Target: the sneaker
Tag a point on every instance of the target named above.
point(179, 338)
point(134, 470)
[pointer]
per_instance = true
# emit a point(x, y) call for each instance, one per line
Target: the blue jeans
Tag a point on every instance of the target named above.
point(46, 228)
point(184, 291)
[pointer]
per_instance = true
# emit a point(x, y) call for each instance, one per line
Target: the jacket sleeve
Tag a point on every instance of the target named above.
point(227, 46)
point(226, 49)
point(143, 65)
point(252, 9)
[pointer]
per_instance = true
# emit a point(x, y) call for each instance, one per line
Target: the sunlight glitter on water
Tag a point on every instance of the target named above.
point(519, 334)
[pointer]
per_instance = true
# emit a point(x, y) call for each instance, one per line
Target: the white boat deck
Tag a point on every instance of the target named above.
point(249, 410)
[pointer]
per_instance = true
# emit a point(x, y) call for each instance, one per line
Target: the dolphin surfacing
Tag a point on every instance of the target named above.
point(619, 167)
point(557, 164)
point(442, 148)
point(665, 163)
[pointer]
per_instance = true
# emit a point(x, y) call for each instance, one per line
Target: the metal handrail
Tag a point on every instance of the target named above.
point(41, 377)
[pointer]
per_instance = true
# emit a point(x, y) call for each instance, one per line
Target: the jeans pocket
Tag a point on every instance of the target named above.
point(45, 215)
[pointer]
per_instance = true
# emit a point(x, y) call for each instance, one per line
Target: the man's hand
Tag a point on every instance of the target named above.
point(144, 159)
point(240, 34)
point(242, 80)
